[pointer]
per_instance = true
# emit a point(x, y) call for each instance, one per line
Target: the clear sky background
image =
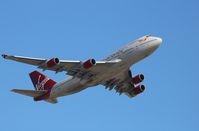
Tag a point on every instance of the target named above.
point(82, 29)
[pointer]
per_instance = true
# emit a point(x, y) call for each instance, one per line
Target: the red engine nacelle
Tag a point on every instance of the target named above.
point(89, 63)
point(53, 62)
point(137, 79)
point(137, 90)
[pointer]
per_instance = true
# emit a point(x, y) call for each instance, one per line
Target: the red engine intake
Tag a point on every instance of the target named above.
point(137, 90)
point(137, 79)
point(89, 63)
point(53, 62)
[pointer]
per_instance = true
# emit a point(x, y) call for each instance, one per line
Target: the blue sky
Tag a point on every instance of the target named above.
point(79, 30)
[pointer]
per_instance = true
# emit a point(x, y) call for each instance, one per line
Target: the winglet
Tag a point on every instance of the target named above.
point(13, 90)
point(4, 56)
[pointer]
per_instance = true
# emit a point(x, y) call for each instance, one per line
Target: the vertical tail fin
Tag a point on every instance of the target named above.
point(40, 81)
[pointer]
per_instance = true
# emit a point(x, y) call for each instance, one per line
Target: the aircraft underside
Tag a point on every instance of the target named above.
point(113, 72)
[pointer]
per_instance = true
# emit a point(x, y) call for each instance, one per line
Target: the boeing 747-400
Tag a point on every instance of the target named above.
point(112, 72)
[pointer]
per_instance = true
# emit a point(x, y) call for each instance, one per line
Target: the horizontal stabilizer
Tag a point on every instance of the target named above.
point(31, 93)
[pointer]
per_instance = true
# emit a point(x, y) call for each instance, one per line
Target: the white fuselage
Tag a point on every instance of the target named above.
point(129, 55)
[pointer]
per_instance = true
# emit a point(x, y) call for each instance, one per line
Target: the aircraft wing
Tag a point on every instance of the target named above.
point(71, 67)
point(122, 83)
point(40, 63)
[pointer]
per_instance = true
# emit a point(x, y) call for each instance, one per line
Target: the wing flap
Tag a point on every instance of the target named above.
point(121, 82)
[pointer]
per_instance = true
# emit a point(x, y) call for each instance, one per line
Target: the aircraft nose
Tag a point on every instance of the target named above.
point(154, 44)
point(157, 43)
point(159, 40)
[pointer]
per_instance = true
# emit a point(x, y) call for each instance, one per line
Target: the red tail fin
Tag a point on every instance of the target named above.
point(40, 81)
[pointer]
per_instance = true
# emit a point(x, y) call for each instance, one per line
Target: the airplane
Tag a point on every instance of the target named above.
point(113, 72)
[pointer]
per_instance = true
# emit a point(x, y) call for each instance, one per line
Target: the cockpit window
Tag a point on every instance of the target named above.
point(147, 35)
point(144, 38)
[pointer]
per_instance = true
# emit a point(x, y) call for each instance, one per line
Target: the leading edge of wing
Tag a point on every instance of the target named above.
point(15, 57)
point(109, 62)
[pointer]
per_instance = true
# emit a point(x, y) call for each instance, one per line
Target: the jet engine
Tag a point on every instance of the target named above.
point(89, 63)
point(137, 79)
point(53, 62)
point(137, 90)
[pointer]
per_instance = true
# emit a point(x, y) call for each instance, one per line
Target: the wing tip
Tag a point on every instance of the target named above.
point(13, 90)
point(4, 56)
